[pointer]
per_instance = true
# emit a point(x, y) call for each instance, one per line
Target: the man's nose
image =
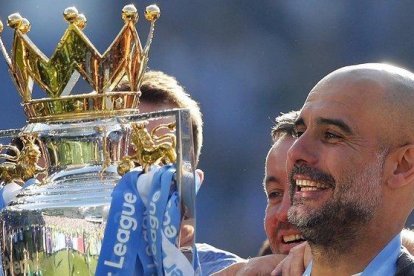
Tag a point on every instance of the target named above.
point(282, 212)
point(303, 150)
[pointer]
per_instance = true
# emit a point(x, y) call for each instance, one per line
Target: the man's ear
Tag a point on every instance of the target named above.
point(200, 174)
point(402, 166)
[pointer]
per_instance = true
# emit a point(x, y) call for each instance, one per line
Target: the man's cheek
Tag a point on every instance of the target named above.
point(270, 222)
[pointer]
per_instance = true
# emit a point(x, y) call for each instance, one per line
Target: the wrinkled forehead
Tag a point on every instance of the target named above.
point(350, 98)
point(280, 148)
point(350, 86)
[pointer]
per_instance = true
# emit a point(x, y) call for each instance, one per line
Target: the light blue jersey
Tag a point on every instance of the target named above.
point(213, 259)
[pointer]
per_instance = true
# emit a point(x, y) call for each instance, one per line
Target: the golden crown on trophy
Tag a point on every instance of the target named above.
point(76, 56)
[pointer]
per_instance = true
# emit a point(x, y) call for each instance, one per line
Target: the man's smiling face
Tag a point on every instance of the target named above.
point(336, 163)
point(282, 235)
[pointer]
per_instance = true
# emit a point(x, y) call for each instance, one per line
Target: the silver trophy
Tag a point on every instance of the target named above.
point(74, 149)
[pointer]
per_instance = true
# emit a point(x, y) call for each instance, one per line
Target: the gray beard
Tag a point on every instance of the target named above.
point(337, 225)
point(335, 228)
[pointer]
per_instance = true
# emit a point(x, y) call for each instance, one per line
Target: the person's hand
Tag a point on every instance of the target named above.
point(295, 263)
point(186, 234)
point(255, 266)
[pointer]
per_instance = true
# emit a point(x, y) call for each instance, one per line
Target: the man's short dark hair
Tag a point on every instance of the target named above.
point(284, 124)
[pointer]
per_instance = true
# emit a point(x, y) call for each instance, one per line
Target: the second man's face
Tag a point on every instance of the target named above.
point(281, 234)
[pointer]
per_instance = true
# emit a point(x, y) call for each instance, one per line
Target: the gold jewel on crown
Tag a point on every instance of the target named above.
point(75, 56)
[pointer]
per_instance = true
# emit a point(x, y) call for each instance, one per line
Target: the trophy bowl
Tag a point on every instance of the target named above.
point(56, 225)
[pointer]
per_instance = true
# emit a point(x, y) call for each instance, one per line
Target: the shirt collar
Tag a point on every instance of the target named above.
point(385, 263)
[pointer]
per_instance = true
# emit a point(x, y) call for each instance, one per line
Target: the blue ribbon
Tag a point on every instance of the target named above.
point(120, 246)
point(151, 247)
point(158, 198)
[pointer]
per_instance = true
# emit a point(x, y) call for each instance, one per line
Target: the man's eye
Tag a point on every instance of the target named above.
point(274, 195)
point(330, 135)
point(298, 133)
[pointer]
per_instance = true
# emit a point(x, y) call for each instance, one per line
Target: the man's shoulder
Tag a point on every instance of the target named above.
point(405, 263)
point(210, 253)
point(213, 259)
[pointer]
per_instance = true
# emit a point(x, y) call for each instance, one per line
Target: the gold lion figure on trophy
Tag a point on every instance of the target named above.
point(149, 148)
point(23, 164)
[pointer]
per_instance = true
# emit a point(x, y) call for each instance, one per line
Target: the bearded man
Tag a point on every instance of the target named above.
point(352, 171)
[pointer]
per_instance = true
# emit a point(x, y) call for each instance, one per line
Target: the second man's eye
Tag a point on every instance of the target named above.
point(274, 195)
point(298, 132)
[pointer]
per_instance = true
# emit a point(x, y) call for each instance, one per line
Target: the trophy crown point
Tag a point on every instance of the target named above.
point(152, 13)
point(130, 13)
point(80, 21)
point(71, 14)
point(17, 22)
point(24, 26)
point(14, 20)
